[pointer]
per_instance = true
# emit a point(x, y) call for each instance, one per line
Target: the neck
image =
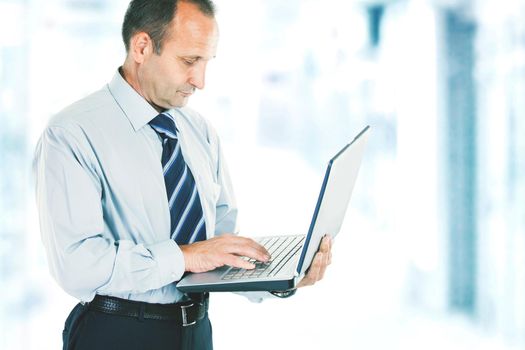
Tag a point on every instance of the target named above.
point(128, 71)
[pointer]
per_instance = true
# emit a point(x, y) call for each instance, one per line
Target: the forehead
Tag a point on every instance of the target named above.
point(192, 32)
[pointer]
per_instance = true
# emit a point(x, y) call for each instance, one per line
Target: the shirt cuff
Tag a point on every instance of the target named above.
point(170, 261)
point(257, 297)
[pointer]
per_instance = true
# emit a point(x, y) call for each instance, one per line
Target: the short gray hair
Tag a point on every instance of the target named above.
point(154, 16)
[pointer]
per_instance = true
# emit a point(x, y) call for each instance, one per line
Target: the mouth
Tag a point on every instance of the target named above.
point(185, 93)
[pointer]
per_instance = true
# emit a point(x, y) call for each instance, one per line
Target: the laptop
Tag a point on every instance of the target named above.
point(291, 255)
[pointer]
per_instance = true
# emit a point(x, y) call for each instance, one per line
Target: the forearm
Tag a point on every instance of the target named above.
point(100, 265)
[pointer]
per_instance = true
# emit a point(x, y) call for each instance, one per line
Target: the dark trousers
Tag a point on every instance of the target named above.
point(87, 329)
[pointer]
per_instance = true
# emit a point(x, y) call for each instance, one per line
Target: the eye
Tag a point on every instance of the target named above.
point(189, 61)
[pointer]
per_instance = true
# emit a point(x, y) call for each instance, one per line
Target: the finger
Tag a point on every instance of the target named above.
point(325, 244)
point(315, 268)
point(260, 249)
point(248, 247)
point(247, 242)
point(235, 261)
point(324, 264)
point(306, 281)
point(249, 252)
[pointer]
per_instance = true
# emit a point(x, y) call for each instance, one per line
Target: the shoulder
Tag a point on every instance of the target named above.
point(81, 114)
point(74, 128)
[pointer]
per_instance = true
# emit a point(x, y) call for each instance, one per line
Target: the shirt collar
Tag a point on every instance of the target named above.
point(138, 111)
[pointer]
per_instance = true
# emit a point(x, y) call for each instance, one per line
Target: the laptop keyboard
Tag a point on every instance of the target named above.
point(282, 249)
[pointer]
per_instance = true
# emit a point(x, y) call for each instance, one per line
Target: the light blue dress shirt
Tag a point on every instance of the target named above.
point(102, 201)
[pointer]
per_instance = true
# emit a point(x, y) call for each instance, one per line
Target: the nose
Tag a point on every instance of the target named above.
point(197, 76)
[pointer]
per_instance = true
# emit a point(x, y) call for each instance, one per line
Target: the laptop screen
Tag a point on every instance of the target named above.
point(333, 200)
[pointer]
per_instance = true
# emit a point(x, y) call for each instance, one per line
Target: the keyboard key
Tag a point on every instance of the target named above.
point(283, 250)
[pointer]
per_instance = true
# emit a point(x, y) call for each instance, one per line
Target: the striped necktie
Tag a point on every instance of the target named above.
point(187, 220)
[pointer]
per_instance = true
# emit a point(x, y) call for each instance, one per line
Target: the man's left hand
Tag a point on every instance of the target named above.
point(321, 260)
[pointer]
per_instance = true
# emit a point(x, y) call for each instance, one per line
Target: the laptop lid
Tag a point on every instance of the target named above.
point(333, 200)
point(329, 213)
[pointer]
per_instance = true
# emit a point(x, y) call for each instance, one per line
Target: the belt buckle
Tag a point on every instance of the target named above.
point(185, 315)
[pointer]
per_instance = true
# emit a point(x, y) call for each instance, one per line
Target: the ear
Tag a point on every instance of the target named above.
point(140, 47)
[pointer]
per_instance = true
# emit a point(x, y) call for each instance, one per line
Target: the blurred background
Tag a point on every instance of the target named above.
point(432, 251)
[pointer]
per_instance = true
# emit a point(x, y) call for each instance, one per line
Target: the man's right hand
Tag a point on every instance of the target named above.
point(222, 250)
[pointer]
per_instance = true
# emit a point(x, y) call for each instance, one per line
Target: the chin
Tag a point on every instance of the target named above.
point(180, 103)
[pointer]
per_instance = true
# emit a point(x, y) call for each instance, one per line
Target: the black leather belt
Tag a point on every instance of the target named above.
point(187, 313)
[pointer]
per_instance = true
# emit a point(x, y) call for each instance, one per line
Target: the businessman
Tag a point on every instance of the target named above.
point(133, 191)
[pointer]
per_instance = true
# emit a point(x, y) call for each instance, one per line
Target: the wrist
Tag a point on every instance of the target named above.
point(186, 257)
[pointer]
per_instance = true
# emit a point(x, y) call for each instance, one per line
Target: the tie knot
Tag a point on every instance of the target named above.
point(164, 125)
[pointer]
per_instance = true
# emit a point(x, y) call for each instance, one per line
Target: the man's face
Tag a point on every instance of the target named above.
point(168, 80)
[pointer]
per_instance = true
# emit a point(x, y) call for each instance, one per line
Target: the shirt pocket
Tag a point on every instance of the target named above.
point(210, 189)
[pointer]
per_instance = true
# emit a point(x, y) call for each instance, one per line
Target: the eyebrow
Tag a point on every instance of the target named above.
point(194, 57)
